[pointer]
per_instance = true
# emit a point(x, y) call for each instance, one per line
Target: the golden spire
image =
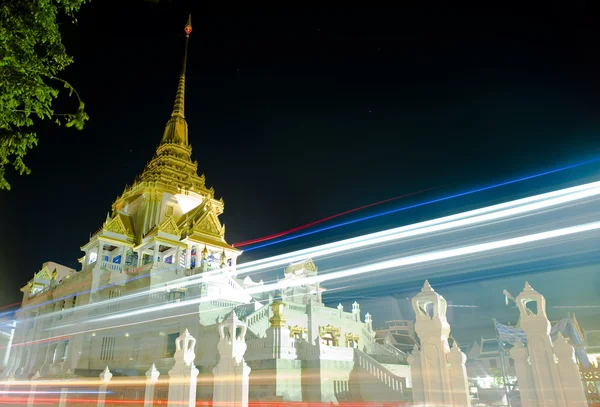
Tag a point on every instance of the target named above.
point(176, 130)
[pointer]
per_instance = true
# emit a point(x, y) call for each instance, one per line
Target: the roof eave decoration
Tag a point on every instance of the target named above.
point(116, 225)
point(169, 226)
point(209, 225)
point(43, 274)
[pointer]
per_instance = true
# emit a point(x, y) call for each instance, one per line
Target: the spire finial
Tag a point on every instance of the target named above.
point(178, 108)
point(188, 25)
point(176, 129)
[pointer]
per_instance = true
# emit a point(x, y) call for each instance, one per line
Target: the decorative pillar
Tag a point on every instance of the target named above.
point(414, 361)
point(100, 257)
point(278, 335)
point(458, 376)
point(32, 387)
point(183, 374)
point(369, 322)
point(105, 377)
point(433, 330)
point(151, 380)
point(524, 374)
point(188, 257)
point(231, 373)
point(340, 308)
point(570, 378)
point(536, 325)
point(156, 252)
point(356, 311)
point(177, 261)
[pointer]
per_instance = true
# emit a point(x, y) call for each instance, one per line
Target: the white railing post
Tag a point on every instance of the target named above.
point(433, 379)
point(182, 377)
point(231, 373)
point(458, 376)
point(570, 378)
point(524, 374)
point(151, 380)
point(536, 325)
point(105, 377)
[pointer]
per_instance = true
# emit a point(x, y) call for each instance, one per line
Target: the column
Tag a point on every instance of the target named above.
point(100, 252)
point(188, 257)
point(570, 378)
point(105, 377)
point(177, 257)
point(541, 355)
point(414, 360)
point(524, 375)
point(183, 374)
point(156, 252)
point(458, 376)
point(232, 372)
point(433, 330)
point(151, 380)
point(123, 257)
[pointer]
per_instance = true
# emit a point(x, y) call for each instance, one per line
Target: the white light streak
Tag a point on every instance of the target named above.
point(380, 266)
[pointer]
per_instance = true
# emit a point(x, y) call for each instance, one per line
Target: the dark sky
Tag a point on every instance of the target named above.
point(298, 113)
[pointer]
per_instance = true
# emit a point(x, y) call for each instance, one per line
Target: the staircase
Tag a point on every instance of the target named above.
point(258, 321)
point(386, 354)
point(378, 381)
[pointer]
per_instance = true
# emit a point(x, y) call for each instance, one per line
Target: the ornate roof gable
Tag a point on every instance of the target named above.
point(115, 225)
point(210, 225)
point(43, 274)
point(169, 226)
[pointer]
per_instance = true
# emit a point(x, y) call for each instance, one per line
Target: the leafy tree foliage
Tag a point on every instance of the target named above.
point(31, 56)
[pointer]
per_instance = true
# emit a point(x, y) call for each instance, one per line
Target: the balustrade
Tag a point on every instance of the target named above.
point(382, 373)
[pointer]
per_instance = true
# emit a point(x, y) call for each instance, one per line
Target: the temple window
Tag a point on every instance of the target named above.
point(93, 257)
point(328, 340)
point(171, 346)
point(117, 259)
point(107, 349)
point(169, 259)
point(351, 340)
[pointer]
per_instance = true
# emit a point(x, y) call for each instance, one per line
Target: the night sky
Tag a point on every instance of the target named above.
point(296, 114)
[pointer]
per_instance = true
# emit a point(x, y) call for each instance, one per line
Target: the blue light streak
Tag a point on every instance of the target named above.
point(420, 204)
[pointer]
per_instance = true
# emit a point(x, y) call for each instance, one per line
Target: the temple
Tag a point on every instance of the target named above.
point(160, 264)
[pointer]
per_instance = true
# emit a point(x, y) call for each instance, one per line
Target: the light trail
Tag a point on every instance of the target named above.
point(334, 226)
point(379, 266)
point(490, 213)
point(328, 218)
point(477, 216)
point(470, 192)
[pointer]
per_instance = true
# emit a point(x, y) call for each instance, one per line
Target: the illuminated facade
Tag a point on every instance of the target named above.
point(160, 264)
